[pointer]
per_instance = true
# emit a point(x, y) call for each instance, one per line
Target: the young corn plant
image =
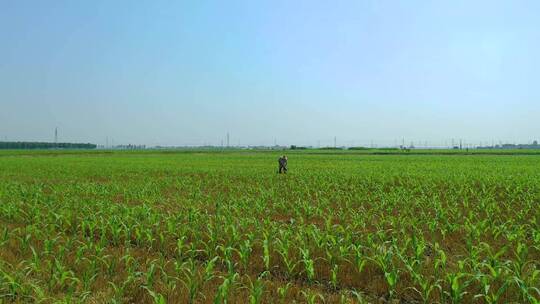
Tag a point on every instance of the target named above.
point(266, 253)
point(309, 264)
point(384, 259)
point(426, 285)
point(360, 259)
point(311, 297)
point(190, 279)
point(456, 287)
point(244, 252)
point(120, 289)
point(225, 289)
point(528, 291)
point(157, 298)
point(334, 255)
point(283, 249)
point(4, 237)
point(11, 287)
point(359, 297)
point(228, 259)
point(488, 293)
point(150, 274)
point(256, 288)
point(283, 291)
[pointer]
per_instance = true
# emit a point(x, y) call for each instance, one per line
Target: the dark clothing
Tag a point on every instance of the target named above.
point(282, 165)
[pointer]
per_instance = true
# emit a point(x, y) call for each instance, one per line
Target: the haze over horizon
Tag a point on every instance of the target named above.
point(302, 72)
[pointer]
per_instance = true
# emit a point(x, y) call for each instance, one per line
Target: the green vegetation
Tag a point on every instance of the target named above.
point(341, 227)
point(43, 145)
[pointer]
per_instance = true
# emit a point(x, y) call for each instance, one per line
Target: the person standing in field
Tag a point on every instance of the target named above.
point(282, 161)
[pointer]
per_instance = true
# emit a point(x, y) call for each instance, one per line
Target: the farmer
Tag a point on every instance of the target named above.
point(282, 164)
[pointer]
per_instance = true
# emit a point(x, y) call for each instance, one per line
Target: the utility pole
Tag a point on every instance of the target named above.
point(228, 139)
point(335, 141)
point(55, 136)
point(461, 144)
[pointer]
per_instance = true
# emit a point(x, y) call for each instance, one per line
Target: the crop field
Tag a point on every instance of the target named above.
point(223, 227)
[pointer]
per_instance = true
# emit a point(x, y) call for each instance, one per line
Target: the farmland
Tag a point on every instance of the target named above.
point(223, 227)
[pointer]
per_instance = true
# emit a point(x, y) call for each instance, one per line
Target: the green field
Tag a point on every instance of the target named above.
point(223, 227)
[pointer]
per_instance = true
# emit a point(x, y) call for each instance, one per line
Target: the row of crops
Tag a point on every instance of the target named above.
point(225, 228)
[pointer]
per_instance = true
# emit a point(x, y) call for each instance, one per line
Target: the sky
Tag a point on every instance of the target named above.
point(285, 72)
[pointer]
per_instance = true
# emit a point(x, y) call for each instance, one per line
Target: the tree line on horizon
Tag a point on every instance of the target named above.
point(44, 145)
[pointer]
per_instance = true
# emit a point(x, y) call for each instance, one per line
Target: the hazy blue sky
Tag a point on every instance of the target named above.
point(186, 72)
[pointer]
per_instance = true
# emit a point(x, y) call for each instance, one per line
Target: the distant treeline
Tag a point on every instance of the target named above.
point(295, 147)
point(43, 145)
point(379, 149)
